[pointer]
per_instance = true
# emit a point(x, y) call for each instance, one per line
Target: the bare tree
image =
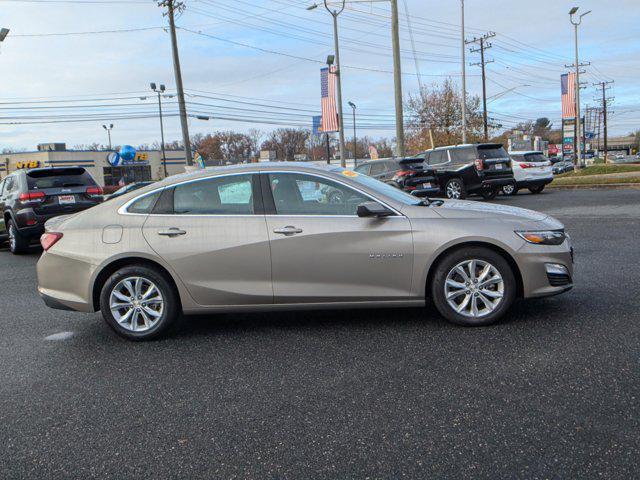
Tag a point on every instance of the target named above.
point(287, 142)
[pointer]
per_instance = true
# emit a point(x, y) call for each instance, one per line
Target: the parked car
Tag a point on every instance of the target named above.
point(531, 170)
point(415, 177)
point(562, 167)
point(382, 170)
point(28, 198)
point(461, 170)
point(126, 189)
point(246, 238)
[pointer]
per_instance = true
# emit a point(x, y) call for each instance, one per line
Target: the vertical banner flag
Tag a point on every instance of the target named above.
point(373, 152)
point(316, 123)
point(568, 91)
point(199, 160)
point(328, 99)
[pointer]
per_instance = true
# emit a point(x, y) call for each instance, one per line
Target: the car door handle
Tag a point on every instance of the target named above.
point(288, 230)
point(172, 232)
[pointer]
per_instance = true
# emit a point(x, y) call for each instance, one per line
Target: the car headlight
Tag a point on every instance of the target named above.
point(543, 237)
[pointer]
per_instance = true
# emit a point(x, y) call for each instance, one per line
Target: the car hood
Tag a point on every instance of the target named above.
point(470, 210)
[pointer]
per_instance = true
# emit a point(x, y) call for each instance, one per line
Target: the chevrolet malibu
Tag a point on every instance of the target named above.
point(295, 236)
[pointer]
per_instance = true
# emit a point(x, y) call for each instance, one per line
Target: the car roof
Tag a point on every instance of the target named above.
point(526, 152)
point(462, 145)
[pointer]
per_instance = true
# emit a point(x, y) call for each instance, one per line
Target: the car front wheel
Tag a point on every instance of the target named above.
point(455, 189)
point(473, 287)
point(139, 303)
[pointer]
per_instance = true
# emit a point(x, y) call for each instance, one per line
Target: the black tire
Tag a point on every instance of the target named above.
point(18, 243)
point(456, 257)
point(536, 190)
point(489, 194)
point(511, 189)
point(171, 308)
point(455, 185)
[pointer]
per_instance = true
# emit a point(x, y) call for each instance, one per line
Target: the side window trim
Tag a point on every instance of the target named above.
point(270, 205)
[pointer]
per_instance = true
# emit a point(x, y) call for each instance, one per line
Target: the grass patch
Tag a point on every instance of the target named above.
point(586, 180)
point(601, 170)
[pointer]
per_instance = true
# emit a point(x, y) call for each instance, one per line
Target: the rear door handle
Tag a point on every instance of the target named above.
point(172, 232)
point(288, 230)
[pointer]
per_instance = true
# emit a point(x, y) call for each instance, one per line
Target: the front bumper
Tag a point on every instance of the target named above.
point(534, 261)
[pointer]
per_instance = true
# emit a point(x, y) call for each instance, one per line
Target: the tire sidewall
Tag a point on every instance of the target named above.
point(458, 256)
point(169, 295)
point(536, 190)
point(20, 243)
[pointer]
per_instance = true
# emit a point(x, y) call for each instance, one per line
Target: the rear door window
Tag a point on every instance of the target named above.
point(59, 178)
point(227, 195)
point(490, 152)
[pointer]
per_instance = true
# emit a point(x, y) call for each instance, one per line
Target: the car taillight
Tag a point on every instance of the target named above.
point(403, 173)
point(528, 165)
point(32, 197)
point(94, 190)
point(49, 239)
point(479, 164)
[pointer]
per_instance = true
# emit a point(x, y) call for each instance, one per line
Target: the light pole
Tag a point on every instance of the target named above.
point(160, 92)
point(338, 72)
point(108, 129)
point(397, 67)
point(575, 23)
point(463, 105)
point(3, 33)
point(355, 140)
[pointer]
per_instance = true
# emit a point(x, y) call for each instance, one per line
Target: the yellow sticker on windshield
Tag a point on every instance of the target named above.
point(349, 173)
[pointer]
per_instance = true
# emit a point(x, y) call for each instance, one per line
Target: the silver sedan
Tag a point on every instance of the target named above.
point(295, 236)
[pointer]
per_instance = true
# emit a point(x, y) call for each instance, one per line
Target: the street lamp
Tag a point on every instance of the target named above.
point(577, 133)
point(355, 141)
point(3, 33)
point(108, 129)
point(334, 13)
point(160, 92)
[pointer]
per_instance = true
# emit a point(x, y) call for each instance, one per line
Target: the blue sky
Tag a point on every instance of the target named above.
point(533, 42)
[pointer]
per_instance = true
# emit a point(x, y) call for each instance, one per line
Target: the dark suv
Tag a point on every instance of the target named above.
point(481, 168)
point(28, 198)
point(408, 174)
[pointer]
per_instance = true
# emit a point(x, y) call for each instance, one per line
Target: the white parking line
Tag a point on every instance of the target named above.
point(59, 336)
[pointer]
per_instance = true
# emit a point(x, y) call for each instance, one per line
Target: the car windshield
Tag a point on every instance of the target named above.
point(385, 189)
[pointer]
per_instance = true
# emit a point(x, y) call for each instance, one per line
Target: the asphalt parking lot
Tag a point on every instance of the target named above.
point(552, 392)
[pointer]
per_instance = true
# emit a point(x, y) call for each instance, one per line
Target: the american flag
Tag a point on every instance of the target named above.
point(568, 90)
point(328, 95)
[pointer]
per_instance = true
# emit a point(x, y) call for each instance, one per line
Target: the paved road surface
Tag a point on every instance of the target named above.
point(552, 392)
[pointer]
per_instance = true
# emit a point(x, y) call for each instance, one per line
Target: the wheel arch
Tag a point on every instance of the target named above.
point(476, 243)
point(115, 265)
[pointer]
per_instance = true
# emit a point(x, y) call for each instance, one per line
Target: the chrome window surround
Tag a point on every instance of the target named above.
point(123, 208)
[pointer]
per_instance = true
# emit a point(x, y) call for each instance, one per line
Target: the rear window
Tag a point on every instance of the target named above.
point(487, 152)
point(59, 178)
point(463, 155)
point(535, 157)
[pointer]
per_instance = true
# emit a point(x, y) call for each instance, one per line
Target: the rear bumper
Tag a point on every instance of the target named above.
point(538, 182)
point(496, 182)
point(70, 290)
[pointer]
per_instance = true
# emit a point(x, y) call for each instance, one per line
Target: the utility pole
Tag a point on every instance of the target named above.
point(172, 6)
point(463, 105)
point(355, 139)
point(576, 23)
point(397, 78)
point(482, 41)
point(603, 86)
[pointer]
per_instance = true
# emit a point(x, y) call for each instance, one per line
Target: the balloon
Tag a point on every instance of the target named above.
point(127, 153)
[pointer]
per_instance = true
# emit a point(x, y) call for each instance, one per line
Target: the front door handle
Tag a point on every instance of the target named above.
point(172, 232)
point(288, 230)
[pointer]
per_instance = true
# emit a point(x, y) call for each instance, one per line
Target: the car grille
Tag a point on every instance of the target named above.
point(558, 279)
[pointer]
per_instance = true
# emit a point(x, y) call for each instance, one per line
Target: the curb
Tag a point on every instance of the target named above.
point(594, 186)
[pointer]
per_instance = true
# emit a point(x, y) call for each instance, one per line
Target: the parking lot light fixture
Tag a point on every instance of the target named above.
point(3, 33)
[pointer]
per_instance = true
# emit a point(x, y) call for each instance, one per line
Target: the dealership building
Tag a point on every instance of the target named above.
point(107, 168)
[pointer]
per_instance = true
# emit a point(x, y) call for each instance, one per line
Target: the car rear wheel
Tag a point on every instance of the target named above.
point(489, 194)
point(473, 287)
point(535, 190)
point(510, 189)
point(18, 243)
point(455, 189)
point(139, 303)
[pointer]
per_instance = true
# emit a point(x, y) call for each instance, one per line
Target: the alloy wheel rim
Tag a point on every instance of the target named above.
point(474, 288)
point(12, 237)
point(136, 304)
point(508, 189)
point(453, 190)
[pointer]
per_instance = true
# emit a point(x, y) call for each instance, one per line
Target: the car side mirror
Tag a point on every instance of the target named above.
point(373, 209)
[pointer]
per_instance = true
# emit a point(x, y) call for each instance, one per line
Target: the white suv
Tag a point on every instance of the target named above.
point(531, 170)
